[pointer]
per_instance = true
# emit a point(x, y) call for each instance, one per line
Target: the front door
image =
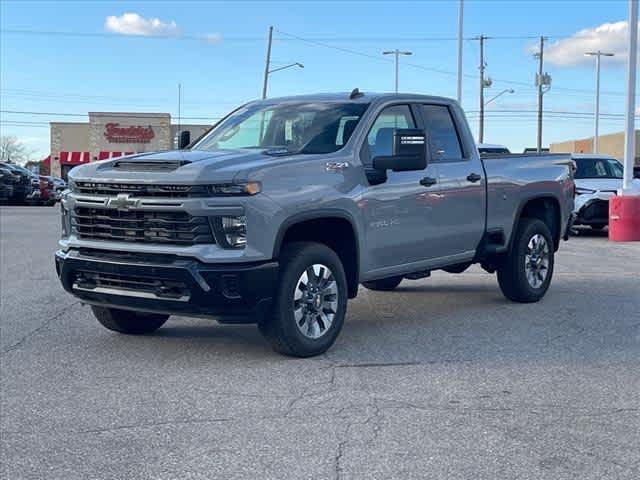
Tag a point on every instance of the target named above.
point(398, 212)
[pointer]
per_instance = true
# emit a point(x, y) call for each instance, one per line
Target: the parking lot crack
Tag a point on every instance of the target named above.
point(156, 424)
point(35, 331)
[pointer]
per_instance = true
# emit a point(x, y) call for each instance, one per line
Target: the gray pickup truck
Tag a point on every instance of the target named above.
point(287, 205)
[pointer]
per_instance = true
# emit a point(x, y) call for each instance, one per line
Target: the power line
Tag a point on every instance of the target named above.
point(67, 114)
point(183, 36)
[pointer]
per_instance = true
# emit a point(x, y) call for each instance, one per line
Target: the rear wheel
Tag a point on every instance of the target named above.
point(526, 272)
point(310, 302)
point(383, 284)
point(125, 321)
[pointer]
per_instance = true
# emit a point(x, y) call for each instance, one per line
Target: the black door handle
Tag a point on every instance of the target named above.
point(428, 181)
point(474, 177)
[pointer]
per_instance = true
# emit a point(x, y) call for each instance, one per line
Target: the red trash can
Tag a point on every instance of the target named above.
point(624, 218)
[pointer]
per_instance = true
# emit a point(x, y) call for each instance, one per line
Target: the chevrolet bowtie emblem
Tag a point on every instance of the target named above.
point(122, 202)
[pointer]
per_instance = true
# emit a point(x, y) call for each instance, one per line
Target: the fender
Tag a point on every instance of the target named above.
point(523, 202)
point(313, 215)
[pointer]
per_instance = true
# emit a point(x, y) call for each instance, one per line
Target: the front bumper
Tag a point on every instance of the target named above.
point(234, 293)
point(594, 211)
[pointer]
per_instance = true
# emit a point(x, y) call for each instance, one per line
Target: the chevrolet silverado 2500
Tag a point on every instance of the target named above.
point(286, 206)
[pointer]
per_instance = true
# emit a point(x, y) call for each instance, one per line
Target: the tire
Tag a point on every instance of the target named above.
point(522, 282)
point(383, 284)
point(306, 318)
point(598, 226)
point(125, 321)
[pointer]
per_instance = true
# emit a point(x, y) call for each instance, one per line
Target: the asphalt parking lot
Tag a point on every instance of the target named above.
point(441, 379)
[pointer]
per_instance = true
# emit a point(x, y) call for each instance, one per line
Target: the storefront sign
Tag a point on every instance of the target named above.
point(114, 133)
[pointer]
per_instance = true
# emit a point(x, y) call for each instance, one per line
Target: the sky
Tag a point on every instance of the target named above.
point(60, 60)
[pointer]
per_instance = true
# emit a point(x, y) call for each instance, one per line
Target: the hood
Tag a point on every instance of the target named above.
point(181, 166)
point(599, 184)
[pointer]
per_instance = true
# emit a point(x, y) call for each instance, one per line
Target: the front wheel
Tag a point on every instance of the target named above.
point(125, 321)
point(526, 272)
point(310, 302)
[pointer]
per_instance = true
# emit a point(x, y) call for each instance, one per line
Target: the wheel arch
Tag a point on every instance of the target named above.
point(333, 228)
point(545, 208)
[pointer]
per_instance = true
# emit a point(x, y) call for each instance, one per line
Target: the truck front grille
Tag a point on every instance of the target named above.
point(110, 189)
point(178, 228)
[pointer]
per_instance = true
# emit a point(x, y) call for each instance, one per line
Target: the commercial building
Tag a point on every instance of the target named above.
point(110, 135)
point(612, 144)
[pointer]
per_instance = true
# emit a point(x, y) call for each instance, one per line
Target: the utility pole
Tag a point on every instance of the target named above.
point(397, 54)
point(542, 80)
point(179, 105)
point(267, 64)
point(460, 31)
point(596, 134)
point(484, 83)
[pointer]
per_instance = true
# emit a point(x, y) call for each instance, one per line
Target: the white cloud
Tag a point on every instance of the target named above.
point(212, 38)
point(134, 24)
point(608, 37)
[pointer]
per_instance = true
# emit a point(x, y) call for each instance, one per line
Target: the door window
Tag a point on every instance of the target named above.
point(380, 138)
point(444, 143)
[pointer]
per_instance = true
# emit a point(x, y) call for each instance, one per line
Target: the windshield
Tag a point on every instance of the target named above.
point(286, 128)
point(598, 168)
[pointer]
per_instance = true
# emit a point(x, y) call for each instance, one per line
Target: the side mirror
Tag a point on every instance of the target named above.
point(409, 152)
point(184, 140)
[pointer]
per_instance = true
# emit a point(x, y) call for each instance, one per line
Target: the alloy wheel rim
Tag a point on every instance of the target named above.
point(536, 260)
point(315, 301)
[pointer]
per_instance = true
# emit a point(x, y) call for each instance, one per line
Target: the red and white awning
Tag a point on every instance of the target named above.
point(74, 158)
point(108, 155)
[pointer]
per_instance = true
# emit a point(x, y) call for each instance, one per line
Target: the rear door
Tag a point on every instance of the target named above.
point(460, 189)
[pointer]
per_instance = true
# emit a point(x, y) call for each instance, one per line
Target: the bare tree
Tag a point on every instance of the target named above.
point(13, 150)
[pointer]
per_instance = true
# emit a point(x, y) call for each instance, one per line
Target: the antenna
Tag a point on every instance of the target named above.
point(355, 93)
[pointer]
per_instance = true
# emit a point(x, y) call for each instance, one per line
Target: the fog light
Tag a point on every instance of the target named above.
point(231, 232)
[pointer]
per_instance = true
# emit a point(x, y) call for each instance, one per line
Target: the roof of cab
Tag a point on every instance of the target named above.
point(364, 97)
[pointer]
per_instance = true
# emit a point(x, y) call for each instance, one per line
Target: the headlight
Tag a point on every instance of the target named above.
point(246, 188)
point(230, 232)
point(72, 186)
point(582, 191)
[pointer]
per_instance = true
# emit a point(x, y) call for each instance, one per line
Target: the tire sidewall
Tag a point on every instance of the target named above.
point(529, 230)
point(295, 339)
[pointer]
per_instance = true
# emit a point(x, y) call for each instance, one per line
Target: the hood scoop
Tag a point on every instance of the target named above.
point(149, 166)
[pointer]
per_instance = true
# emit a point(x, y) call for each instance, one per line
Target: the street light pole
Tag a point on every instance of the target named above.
point(460, 31)
point(596, 134)
point(506, 90)
point(629, 131)
point(397, 54)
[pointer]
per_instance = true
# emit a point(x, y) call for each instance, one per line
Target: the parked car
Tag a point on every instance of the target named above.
point(6, 184)
point(22, 183)
point(48, 193)
point(287, 205)
point(490, 149)
point(59, 184)
point(598, 178)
